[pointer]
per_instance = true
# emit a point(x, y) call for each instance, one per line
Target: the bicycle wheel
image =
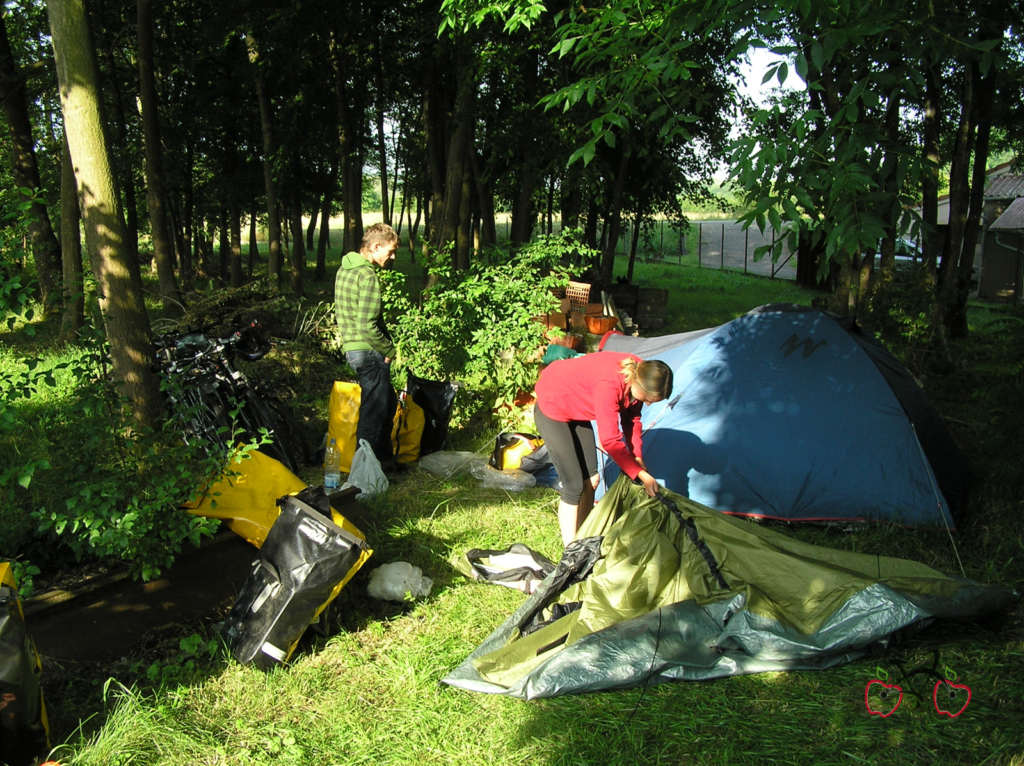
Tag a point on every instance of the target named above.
point(256, 414)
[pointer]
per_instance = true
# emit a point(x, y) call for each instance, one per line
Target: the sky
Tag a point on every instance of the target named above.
point(753, 72)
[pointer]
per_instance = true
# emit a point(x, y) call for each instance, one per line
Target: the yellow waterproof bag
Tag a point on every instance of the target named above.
point(511, 447)
point(24, 729)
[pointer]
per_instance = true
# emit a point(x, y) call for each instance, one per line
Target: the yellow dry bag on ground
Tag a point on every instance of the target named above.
point(511, 447)
point(24, 730)
point(245, 496)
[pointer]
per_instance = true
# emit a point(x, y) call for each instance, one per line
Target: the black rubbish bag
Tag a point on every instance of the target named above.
point(24, 735)
point(302, 560)
point(436, 398)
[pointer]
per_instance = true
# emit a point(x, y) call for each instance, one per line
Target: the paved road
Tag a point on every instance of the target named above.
point(738, 246)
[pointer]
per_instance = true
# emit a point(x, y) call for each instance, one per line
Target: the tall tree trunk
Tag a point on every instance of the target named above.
point(254, 248)
point(348, 141)
point(615, 218)
point(571, 198)
point(298, 250)
point(73, 316)
point(930, 244)
point(455, 216)
point(956, 318)
point(163, 251)
point(314, 214)
point(269, 151)
point(188, 260)
point(484, 203)
point(438, 102)
point(45, 248)
point(382, 152)
point(123, 164)
point(117, 275)
point(634, 242)
point(224, 245)
point(464, 224)
point(590, 230)
point(323, 241)
point(959, 200)
point(235, 259)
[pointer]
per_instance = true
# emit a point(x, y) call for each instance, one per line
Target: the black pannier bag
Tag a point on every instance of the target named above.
point(436, 398)
point(300, 567)
point(24, 734)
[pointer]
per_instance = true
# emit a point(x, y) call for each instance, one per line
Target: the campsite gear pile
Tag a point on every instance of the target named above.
point(420, 424)
point(790, 413)
point(661, 589)
point(216, 400)
point(308, 552)
point(24, 730)
point(303, 564)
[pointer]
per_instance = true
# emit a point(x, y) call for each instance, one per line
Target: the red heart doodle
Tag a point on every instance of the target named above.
point(884, 691)
point(950, 695)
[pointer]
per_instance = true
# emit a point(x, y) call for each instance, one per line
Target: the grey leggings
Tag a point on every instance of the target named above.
point(573, 451)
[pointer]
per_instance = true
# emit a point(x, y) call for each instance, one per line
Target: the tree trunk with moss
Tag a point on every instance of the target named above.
point(73, 316)
point(117, 276)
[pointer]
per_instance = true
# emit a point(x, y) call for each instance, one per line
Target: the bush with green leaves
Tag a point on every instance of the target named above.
point(476, 325)
point(85, 481)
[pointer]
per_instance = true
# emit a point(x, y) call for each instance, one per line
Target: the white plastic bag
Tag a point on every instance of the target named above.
point(397, 580)
point(366, 472)
point(447, 463)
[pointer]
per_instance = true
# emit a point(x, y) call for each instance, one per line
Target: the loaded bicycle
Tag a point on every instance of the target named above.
point(216, 402)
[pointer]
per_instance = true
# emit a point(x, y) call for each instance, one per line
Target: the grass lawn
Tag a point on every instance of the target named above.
point(371, 693)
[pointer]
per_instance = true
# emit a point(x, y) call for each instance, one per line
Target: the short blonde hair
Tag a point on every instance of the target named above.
point(378, 234)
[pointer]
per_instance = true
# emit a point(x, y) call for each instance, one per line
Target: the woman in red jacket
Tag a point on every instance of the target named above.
point(609, 388)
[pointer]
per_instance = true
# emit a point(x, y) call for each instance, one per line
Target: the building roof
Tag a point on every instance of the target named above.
point(1012, 218)
point(1007, 186)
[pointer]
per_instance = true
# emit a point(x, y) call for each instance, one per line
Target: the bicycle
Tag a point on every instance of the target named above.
point(216, 401)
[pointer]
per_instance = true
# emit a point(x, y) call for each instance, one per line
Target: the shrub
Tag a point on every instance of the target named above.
point(476, 326)
point(85, 483)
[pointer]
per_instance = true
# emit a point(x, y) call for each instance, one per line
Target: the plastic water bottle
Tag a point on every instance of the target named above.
point(332, 466)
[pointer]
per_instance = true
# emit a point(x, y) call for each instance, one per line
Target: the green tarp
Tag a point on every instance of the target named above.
point(674, 590)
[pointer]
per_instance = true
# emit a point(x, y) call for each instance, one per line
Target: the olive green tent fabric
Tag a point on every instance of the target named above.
point(724, 597)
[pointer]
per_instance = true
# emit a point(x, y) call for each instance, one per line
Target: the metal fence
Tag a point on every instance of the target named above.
point(707, 244)
point(727, 245)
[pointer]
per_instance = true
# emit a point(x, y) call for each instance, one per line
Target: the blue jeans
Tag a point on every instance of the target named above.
point(377, 400)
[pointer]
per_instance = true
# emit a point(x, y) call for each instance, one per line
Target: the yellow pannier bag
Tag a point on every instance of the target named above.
point(407, 431)
point(510, 447)
point(343, 418)
point(245, 499)
point(24, 728)
point(245, 496)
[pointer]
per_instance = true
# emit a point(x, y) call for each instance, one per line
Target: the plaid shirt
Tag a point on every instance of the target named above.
point(358, 309)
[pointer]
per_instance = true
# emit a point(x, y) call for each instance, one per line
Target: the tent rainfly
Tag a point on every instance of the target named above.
point(661, 589)
point(788, 413)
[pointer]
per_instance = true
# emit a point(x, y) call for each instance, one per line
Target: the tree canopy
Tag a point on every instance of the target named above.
point(271, 113)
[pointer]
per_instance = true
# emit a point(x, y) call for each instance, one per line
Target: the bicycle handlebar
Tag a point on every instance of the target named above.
point(247, 342)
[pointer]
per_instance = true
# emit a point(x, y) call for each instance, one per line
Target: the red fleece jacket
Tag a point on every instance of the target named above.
point(591, 387)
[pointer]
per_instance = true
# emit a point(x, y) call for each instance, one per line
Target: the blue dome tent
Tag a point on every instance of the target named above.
point(789, 413)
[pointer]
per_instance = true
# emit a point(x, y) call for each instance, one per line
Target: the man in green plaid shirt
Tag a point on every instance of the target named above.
point(364, 338)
